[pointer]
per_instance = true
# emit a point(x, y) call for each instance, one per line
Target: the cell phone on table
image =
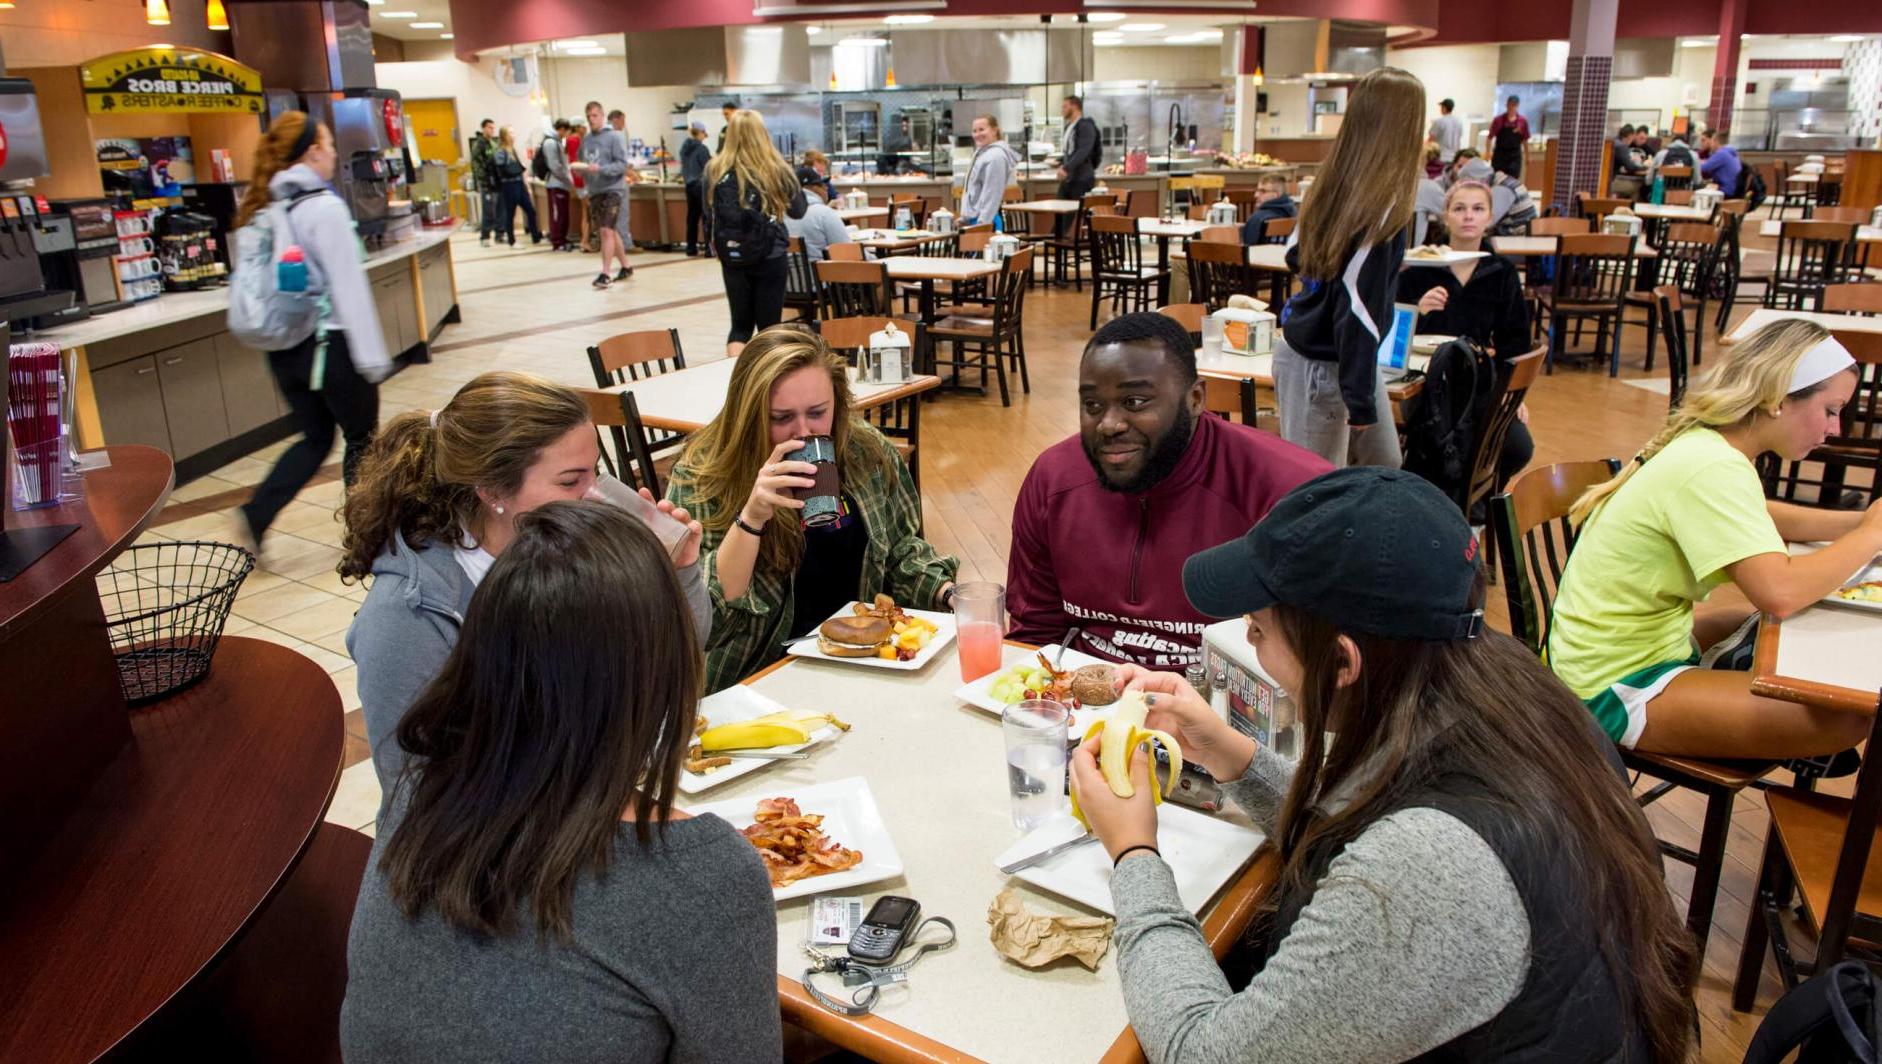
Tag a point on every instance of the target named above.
point(888, 926)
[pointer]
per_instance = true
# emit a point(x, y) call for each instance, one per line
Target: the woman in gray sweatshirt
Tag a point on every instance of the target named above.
point(1463, 872)
point(436, 504)
point(993, 168)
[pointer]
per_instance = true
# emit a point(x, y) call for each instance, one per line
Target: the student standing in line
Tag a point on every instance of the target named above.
point(330, 380)
point(513, 179)
point(556, 160)
point(483, 146)
point(753, 191)
point(694, 158)
point(533, 893)
point(1350, 243)
point(617, 120)
point(1631, 622)
point(604, 168)
point(1446, 131)
point(1509, 131)
point(994, 166)
point(1464, 875)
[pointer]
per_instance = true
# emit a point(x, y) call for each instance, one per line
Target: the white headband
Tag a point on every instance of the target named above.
point(1819, 364)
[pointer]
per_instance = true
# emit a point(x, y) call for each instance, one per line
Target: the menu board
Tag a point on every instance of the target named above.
point(150, 170)
point(167, 80)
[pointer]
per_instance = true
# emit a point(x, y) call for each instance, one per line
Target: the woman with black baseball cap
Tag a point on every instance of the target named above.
point(1462, 871)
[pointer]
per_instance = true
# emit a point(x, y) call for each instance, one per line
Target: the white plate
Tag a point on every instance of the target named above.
point(735, 704)
point(979, 694)
point(1428, 343)
point(850, 817)
point(1449, 258)
point(1204, 853)
point(1872, 571)
point(807, 648)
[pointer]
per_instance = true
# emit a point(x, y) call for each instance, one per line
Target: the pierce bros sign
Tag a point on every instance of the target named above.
point(169, 81)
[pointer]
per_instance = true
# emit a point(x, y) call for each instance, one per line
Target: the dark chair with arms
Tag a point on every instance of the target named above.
point(800, 284)
point(1534, 538)
point(1810, 256)
point(1117, 267)
point(633, 460)
point(636, 356)
point(854, 288)
point(998, 336)
point(1514, 381)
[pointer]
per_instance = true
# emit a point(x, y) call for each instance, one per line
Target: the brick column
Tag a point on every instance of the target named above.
point(1585, 101)
point(1725, 66)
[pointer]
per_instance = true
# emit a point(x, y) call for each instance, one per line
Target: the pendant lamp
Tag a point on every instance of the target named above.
point(157, 12)
point(218, 15)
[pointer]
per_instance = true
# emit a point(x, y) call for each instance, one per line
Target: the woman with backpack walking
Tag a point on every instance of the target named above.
point(513, 188)
point(753, 191)
point(329, 379)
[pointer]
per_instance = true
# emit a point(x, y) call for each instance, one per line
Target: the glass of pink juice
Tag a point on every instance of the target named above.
point(980, 625)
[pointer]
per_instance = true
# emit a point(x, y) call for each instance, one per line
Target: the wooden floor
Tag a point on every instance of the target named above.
point(977, 453)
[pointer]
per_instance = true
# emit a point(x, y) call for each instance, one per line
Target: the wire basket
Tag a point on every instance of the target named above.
point(165, 605)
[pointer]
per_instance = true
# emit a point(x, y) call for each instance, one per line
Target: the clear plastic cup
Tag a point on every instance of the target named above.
point(980, 627)
point(1036, 759)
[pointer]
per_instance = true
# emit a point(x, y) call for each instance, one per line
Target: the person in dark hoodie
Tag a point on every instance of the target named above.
point(1271, 202)
point(1104, 519)
point(1350, 243)
point(330, 380)
point(436, 504)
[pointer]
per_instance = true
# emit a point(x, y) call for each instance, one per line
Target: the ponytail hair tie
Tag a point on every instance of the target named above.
point(1639, 459)
point(434, 419)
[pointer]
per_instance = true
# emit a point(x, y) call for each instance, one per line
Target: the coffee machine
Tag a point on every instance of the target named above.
point(217, 201)
point(23, 292)
point(81, 257)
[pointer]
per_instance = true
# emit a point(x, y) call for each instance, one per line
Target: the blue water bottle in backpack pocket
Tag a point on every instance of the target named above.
point(291, 270)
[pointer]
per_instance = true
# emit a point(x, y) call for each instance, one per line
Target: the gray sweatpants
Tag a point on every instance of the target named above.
point(1313, 415)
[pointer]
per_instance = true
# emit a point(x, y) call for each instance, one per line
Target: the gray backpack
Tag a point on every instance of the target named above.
point(262, 316)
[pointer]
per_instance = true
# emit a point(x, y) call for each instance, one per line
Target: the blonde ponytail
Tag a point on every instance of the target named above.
point(1754, 375)
point(272, 157)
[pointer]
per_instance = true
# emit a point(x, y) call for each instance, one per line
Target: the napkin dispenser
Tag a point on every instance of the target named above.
point(941, 221)
point(1001, 246)
point(1621, 224)
point(855, 200)
point(888, 358)
point(1707, 199)
point(1257, 706)
point(1246, 330)
point(1221, 212)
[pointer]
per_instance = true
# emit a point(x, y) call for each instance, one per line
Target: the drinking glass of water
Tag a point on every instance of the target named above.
point(1036, 759)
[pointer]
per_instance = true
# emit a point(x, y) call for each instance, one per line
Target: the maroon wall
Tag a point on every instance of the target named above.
point(1472, 21)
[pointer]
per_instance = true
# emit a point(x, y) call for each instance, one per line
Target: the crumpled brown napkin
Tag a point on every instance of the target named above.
point(1034, 940)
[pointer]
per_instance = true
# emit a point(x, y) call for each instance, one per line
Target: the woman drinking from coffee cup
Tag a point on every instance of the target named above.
point(789, 541)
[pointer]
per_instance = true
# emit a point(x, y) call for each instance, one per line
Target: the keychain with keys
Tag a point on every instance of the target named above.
point(869, 979)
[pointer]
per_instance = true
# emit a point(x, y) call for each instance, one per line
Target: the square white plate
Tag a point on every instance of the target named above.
point(1203, 851)
point(729, 706)
point(1872, 571)
point(979, 694)
point(943, 622)
point(1449, 258)
point(850, 817)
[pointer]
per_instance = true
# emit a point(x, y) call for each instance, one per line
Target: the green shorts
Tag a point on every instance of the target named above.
point(1621, 708)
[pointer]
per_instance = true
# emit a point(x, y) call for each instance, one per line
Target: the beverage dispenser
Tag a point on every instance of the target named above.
point(23, 293)
point(368, 137)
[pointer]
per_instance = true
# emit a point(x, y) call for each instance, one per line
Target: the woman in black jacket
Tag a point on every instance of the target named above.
point(1479, 298)
point(753, 191)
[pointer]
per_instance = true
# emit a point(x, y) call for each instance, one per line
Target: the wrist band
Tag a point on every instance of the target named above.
point(1133, 849)
point(739, 520)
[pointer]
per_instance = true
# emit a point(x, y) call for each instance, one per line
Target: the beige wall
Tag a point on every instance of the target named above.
point(571, 83)
point(1466, 73)
point(1158, 63)
point(50, 33)
point(475, 89)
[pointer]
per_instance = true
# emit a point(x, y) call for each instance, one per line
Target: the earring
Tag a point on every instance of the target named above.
point(499, 511)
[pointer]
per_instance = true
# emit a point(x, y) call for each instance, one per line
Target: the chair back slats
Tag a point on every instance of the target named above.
point(800, 282)
point(1009, 293)
point(633, 460)
point(1673, 330)
point(1231, 398)
point(1593, 269)
point(1277, 230)
point(1810, 255)
point(854, 288)
point(1218, 271)
point(1676, 177)
point(1115, 249)
point(634, 356)
point(1142, 203)
point(1862, 298)
point(1513, 383)
point(1529, 522)
point(1560, 226)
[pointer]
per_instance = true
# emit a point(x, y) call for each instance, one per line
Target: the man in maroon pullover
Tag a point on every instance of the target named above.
point(1104, 522)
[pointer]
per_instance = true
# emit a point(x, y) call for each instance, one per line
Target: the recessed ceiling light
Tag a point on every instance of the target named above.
point(813, 30)
point(447, 36)
point(563, 46)
point(398, 14)
point(908, 20)
point(375, 3)
point(427, 25)
point(1095, 16)
point(1141, 27)
point(1849, 38)
point(1691, 43)
point(865, 42)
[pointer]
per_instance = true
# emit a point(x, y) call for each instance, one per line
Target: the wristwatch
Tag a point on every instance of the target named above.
point(947, 598)
point(739, 520)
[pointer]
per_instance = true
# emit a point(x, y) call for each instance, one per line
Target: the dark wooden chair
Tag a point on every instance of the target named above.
point(1232, 399)
point(633, 461)
point(1189, 316)
point(1277, 230)
point(634, 356)
point(1677, 178)
point(1819, 847)
point(1673, 324)
point(845, 253)
point(1514, 380)
point(1862, 298)
point(1680, 197)
point(1534, 538)
point(1595, 208)
point(852, 289)
point(1688, 251)
point(1220, 234)
point(1219, 270)
point(1118, 270)
point(995, 338)
point(1143, 203)
point(1244, 200)
point(1732, 267)
point(1068, 250)
point(1810, 255)
point(1536, 270)
point(900, 421)
point(1593, 274)
point(800, 284)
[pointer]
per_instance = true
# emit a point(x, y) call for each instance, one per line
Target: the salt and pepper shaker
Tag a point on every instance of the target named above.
point(1198, 678)
point(1219, 694)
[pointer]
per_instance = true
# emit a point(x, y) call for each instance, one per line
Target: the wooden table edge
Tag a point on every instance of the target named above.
point(1767, 681)
point(914, 386)
point(891, 1043)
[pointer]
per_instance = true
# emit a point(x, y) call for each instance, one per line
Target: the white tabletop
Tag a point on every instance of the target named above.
point(1046, 206)
point(1260, 368)
point(1772, 227)
point(937, 770)
point(1802, 179)
point(856, 214)
point(1672, 212)
point(889, 238)
point(1523, 246)
point(920, 267)
point(1159, 227)
point(687, 399)
point(1763, 316)
point(1834, 645)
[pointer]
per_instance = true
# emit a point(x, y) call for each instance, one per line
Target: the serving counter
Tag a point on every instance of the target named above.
point(168, 374)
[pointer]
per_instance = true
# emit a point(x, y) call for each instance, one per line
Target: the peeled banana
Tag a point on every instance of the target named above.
point(1120, 735)
point(785, 728)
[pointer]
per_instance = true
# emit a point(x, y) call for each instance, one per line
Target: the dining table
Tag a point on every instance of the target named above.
point(1672, 212)
point(1531, 246)
point(927, 269)
point(1763, 316)
point(852, 215)
point(1221, 365)
point(936, 770)
point(1164, 230)
point(895, 241)
point(686, 400)
point(1865, 234)
point(1824, 655)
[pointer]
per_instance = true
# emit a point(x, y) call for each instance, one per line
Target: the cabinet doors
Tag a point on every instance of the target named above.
point(385, 304)
point(192, 397)
point(249, 394)
point(435, 274)
point(130, 403)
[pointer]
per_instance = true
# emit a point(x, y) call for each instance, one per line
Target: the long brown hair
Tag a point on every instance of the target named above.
point(1365, 191)
point(1490, 711)
point(568, 699)
point(749, 154)
point(722, 460)
point(420, 477)
point(271, 157)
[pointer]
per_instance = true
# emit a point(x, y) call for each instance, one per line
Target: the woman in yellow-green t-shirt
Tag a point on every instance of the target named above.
point(1689, 514)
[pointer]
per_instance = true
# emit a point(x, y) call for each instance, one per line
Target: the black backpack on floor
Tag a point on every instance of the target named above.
point(1751, 188)
point(1441, 432)
point(1834, 1018)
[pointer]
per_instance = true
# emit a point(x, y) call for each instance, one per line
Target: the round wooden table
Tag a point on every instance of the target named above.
point(168, 855)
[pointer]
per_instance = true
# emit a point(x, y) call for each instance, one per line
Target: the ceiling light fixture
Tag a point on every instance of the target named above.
point(157, 12)
point(1849, 38)
point(375, 3)
point(562, 46)
point(398, 14)
point(813, 30)
point(1107, 16)
point(864, 42)
point(908, 20)
point(1695, 43)
point(447, 36)
point(1141, 27)
point(415, 25)
point(218, 16)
